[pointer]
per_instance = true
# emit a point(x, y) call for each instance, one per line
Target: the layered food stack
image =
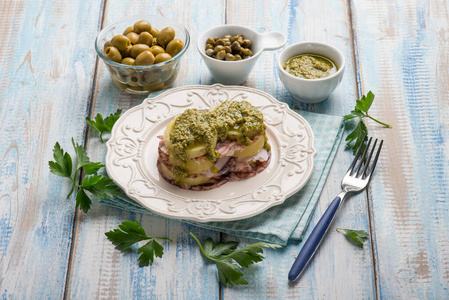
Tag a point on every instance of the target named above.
point(201, 150)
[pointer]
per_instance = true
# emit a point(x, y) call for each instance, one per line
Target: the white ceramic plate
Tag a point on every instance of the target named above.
point(132, 155)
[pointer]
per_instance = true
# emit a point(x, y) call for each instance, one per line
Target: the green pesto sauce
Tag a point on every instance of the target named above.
point(196, 127)
point(310, 66)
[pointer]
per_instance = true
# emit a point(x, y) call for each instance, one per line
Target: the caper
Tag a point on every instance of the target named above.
point(154, 32)
point(137, 49)
point(228, 36)
point(174, 47)
point(113, 54)
point(237, 57)
point(165, 36)
point(128, 61)
point(133, 37)
point(145, 38)
point(216, 38)
point(240, 40)
point(246, 43)
point(220, 55)
point(234, 38)
point(162, 57)
point(247, 52)
point(128, 30)
point(141, 26)
point(246, 56)
point(227, 49)
point(157, 50)
point(229, 57)
point(218, 48)
point(220, 42)
point(107, 44)
point(209, 46)
point(210, 52)
point(144, 59)
point(236, 46)
point(227, 43)
point(120, 42)
point(210, 41)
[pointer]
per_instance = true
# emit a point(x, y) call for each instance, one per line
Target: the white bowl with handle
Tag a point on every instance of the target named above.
point(236, 72)
point(311, 90)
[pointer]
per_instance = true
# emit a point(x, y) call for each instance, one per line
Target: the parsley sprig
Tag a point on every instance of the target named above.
point(98, 185)
point(230, 261)
point(360, 131)
point(357, 237)
point(128, 234)
point(104, 125)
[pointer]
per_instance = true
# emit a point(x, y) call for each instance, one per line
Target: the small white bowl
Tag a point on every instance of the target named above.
point(236, 72)
point(311, 90)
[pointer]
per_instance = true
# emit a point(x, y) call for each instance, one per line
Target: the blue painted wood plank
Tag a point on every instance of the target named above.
point(98, 270)
point(339, 269)
point(402, 49)
point(46, 67)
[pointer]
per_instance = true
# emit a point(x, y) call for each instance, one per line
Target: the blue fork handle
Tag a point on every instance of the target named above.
point(314, 240)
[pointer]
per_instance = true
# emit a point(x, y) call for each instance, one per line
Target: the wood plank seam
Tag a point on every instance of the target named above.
point(80, 180)
point(359, 95)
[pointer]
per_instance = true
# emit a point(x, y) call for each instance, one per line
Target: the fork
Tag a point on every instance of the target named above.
point(355, 180)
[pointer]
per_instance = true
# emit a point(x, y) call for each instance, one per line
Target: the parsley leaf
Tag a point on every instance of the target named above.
point(84, 160)
point(357, 237)
point(360, 111)
point(230, 261)
point(104, 125)
point(128, 234)
point(100, 186)
point(62, 166)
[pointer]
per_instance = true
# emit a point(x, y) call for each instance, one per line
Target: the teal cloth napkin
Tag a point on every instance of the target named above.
point(288, 221)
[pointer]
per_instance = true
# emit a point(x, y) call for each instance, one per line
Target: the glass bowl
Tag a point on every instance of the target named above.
point(141, 80)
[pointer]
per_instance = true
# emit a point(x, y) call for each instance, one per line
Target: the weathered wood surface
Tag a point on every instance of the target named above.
point(402, 53)
point(48, 85)
point(46, 71)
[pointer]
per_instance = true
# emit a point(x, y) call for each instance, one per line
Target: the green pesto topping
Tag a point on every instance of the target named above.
point(196, 127)
point(309, 66)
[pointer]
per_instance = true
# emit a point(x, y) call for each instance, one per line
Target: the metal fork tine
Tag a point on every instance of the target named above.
point(354, 161)
point(368, 160)
point(375, 159)
point(362, 160)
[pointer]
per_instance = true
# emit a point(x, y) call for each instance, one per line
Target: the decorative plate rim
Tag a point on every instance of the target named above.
point(202, 210)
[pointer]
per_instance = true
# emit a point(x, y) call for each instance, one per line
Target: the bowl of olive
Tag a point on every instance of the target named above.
point(230, 52)
point(143, 54)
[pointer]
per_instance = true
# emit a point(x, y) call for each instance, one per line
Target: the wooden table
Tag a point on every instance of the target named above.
point(51, 79)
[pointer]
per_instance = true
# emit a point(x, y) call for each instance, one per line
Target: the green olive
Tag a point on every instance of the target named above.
point(128, 30)
point(157, 50)
point(174, 47)
point(165, 36)
point(154, 32)
point(145, 38)
point(144, 59)
point(137, 49)
point(124, 53)
point(162, 57)
point(107, 44)
point(141, 26)
point(128, 61)
point(113, 54)
point(135, 79)
point(121, 42)
point(133, 37)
